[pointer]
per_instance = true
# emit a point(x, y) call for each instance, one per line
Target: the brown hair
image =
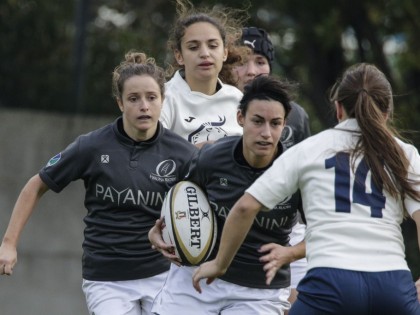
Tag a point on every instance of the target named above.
point(268, 88)
point(136, 63)
point(366, 94)
point(228, 22)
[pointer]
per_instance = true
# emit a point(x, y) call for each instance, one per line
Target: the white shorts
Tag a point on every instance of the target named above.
point(220, 297)
point(298, 267)
point(131, 297)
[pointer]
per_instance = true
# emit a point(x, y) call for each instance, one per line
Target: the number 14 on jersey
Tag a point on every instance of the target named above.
point(342, 184)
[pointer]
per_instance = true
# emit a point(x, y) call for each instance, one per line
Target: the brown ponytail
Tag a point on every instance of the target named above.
point(366, 95)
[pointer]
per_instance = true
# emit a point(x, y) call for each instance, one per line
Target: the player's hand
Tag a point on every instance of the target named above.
point(276, 256)
point(418, 289)
point(167, 250)
point(8, 259)
point(209, 270)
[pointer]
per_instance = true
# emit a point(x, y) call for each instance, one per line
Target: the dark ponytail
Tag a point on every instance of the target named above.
point(366, 95)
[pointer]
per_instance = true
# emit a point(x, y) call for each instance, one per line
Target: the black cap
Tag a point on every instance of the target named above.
point(257, 39)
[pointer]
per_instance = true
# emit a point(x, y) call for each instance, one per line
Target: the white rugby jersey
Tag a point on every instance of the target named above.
point(198, 117)
point(351, 224)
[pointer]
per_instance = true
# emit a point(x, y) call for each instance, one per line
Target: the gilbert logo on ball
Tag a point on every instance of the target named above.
point(190, 223)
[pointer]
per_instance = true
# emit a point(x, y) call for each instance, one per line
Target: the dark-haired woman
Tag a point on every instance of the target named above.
point(127, 168)
point(258, 281)
point(357, 181)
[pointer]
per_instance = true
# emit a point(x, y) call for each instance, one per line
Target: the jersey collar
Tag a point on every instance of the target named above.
point(348, 124)
point(125, 139)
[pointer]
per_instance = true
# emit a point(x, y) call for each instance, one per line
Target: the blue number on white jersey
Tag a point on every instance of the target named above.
point(375, 200)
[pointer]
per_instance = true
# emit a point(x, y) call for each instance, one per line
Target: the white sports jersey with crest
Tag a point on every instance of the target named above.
point(351, 223)
point(198, 117)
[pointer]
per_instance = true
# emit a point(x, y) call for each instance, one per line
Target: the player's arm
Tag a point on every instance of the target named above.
point(26, 202)
point(236, 227)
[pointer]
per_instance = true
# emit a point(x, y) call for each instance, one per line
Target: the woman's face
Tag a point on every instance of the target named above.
point(140, 104)
point(254, 66)
point(202, 52)
point(262, 125)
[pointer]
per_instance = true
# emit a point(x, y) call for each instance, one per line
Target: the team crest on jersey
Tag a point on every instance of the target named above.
point(164, 172)
point(287, 138)
point(208, 131)
point(54, 160)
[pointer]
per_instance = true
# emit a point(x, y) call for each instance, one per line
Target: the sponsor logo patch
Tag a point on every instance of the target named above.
point(54, 160)
point(164, 172)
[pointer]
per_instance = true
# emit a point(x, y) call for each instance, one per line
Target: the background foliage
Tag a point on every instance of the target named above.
point(58, 55)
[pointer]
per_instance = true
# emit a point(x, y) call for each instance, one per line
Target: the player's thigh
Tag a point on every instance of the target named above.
point(292, 298)
point(331, 291)
point(393, 292)
point(297, 272)
point(107, 297)
point(178, 296)
point(252, 301)
point(132, 297)
point(220, 297)
point(299, 308)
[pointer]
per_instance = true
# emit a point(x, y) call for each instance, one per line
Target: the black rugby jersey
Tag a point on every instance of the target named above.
point(221, 170)
point(297, 126)
point(125, 184)
point(296, 130)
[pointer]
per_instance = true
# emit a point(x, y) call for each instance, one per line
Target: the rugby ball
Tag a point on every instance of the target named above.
point(189, 223)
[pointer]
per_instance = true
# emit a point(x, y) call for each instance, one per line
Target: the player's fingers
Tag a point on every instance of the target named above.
point(196, 280)
point(266, 247)
point(158, 243)
point(170, 255)
point(269, 277)
point(197, 287)
point(7, 270)
point(270, 274)
point(176, 262)
point(210, 280)
point(268, 266)
point(266, 258)
point(160, 223)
